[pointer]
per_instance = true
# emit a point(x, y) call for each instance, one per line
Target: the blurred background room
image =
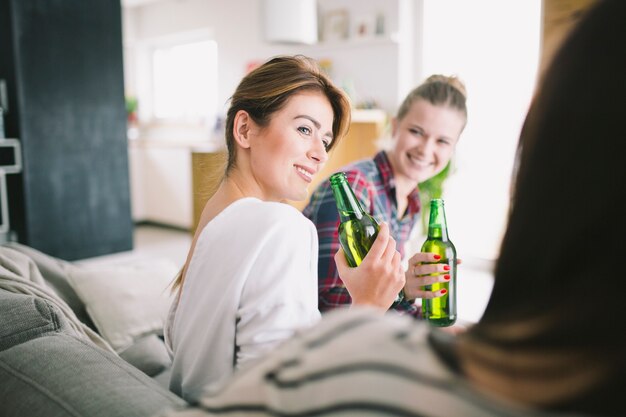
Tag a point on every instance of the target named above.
point(112, 134)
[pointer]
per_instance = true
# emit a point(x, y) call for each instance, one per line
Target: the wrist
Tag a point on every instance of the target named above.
point(369, 304)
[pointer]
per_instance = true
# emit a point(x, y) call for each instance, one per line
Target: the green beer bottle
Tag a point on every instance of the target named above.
point(357, 229)
point(440, 311)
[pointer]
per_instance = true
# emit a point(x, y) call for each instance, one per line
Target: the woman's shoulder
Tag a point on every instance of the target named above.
point(360, 321)
point(356, 362)
point(267, 208)
point(364, 168)
point(357, 345)
point(270, 214)
point(362, 174)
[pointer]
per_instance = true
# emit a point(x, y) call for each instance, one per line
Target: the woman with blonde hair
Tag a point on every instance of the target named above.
point(425, 132)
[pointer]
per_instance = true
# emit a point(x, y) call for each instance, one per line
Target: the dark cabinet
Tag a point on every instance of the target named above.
point(62, 62)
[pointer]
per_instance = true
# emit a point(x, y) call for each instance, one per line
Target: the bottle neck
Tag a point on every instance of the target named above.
point(437, 225)
point(348, 206)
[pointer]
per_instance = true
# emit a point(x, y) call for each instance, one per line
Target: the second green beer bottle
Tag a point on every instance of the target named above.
point(357, 229)
point(440, 311)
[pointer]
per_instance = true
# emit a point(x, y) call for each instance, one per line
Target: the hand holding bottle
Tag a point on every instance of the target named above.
point(421, 265)
point(377, 280)
point(440, 311)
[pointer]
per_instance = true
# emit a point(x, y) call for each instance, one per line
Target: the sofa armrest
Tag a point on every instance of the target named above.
point(25, 317)
point(59, 375)
point(55, 272)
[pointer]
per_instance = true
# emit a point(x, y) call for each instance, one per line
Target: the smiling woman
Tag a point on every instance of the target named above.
point(296, 138)
point(250, 276)
point(425, 132)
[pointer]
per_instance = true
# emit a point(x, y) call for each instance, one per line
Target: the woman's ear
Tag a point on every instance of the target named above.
point(241, 128)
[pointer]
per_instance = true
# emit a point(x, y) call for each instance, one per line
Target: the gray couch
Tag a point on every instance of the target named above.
point(46, 369)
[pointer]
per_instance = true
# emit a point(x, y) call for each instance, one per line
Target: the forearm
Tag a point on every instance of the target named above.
point(331, 289)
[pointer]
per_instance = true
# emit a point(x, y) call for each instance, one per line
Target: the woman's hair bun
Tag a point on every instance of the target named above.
point(451, 80)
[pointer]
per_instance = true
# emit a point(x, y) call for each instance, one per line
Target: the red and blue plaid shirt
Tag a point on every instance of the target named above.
point(374, 185)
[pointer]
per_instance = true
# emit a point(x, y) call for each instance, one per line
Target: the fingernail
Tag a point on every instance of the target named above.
point(446, 268)
point(444, 291)
point(437, 257)
point(446, 277)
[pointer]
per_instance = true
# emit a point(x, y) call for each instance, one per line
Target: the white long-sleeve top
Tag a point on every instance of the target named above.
point(250, 284)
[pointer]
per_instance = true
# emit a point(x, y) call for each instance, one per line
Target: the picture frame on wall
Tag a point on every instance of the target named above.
point(335, 25)
point(364, 26)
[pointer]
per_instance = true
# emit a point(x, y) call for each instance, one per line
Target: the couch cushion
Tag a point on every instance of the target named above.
point(59, 375)
point(148, 354)
point(126, 302)
point(55, 272)
point(25, 317)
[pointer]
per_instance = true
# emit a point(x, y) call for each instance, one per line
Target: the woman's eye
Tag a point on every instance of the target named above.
point(326, 145)
point(305, 130)
point(416, 132)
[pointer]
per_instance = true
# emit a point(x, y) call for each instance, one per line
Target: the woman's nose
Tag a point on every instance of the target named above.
point(318, 152)
point(425, 146)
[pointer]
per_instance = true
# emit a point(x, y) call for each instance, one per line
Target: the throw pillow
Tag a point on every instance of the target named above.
point(126, 302)
point(149, 354)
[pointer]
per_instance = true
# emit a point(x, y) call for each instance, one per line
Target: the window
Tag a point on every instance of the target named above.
point(493, 46)
point(184, 80)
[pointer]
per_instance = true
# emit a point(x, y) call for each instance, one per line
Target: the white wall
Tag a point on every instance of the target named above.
point(233, 24)
point(160, 181)
point(494, 47)
point(236, 26)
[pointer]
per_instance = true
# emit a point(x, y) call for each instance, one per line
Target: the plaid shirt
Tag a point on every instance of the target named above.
point(373, 184)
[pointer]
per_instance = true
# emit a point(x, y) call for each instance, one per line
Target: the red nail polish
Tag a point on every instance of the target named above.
point(446, 268)
point(446, 277)
point(437, 257)
point(444, 291)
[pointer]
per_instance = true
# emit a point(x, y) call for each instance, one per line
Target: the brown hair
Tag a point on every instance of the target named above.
point(552, 324)
point(266, 89)
point(438, 90)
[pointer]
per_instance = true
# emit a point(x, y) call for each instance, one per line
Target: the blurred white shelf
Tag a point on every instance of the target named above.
point(368, 116)
point(352, 43)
